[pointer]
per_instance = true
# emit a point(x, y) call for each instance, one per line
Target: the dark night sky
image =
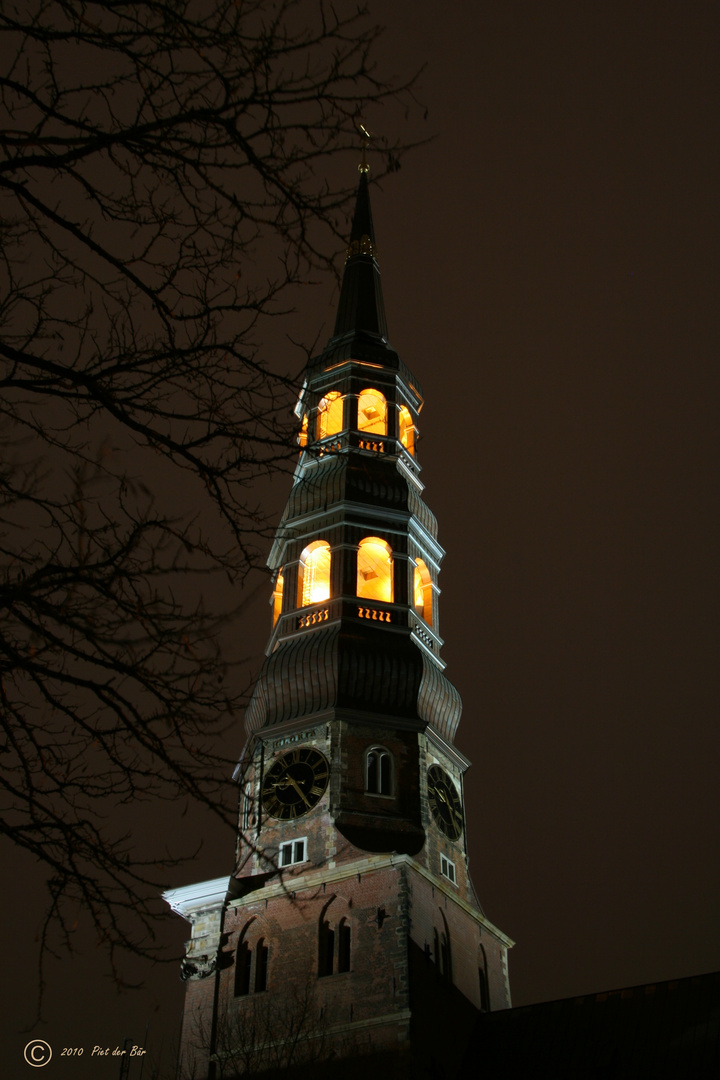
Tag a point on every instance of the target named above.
point(550, 271)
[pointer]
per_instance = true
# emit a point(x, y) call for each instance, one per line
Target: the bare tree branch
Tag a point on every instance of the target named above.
point(164, 184)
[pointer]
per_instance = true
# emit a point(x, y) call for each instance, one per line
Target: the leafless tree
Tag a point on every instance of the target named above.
point(163, 188)
point(262, 1034)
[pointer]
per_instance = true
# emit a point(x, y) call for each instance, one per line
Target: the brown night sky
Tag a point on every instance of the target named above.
point(550, 272)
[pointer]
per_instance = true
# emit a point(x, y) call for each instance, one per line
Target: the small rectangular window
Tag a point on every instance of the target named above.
point(447, 869)
point(293, 851)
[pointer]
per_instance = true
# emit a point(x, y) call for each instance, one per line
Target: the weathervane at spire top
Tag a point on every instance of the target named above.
point(363, 166)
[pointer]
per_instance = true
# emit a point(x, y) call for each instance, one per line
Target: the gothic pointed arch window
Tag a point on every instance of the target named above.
point(329, 415)
point(372, 412)
point(406, 430)
point(251, 961)
point(314, 574)
point(379, 771)
point(442, 952)
point(422, 592)
point(334, 938)
point(374, 570)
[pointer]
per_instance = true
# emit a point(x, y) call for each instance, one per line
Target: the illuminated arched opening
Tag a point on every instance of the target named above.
point(407, 430)
point(329, 415)
point(314, 576)
point(374, 570)
point(372, 412)
point(303, 432)
point(277, 596)
point(422, 591)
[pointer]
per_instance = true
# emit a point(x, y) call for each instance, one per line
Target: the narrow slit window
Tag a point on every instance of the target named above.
point(344, 946)
point(378, 771)
point(261, 966)
point(242, 969)
point(326, 958)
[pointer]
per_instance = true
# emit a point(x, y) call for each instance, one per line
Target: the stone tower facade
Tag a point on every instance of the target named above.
point(349, 926)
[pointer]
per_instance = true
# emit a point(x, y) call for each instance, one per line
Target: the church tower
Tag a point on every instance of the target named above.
point(349, 926)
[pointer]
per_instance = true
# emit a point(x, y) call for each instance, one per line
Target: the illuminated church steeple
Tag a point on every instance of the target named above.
point(350, 891)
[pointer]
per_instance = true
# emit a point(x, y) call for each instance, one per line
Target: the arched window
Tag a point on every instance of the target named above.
point(378, 771)
point(334, 939)
point(251, 961)
point(442, 952)
point(372, 412)
point(314, 576)
point(374, 570)
point(407, 430)
point(329, 415)
point(422, 591)
point(303, 432)
point(277, 596)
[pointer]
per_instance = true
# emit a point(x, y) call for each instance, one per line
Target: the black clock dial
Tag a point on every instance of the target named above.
point(444, 801)
point(295, 782)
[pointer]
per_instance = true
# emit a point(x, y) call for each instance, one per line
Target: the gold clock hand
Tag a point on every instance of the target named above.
point(300, 792)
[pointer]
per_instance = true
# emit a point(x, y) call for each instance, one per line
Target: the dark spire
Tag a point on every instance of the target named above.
point(361, 308)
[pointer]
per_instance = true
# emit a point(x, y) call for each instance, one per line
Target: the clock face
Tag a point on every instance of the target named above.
point(444, 802)
point(294, 783)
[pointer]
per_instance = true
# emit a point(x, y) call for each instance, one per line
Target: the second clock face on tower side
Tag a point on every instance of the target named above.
point(294, 783)
point(444, 802)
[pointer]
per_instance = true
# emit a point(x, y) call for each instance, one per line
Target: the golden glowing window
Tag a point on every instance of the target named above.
point(277, 597)
point(374, 570)
point(372, 412)
point(407, 430)
point(314, 576)
point(422, 590)
point(303, 432)
point(330, 415)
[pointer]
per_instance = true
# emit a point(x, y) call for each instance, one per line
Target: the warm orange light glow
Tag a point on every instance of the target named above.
point(422, 589)
point(314, 576)
point(303, 432)
point(277, 597)
point(407, 430)
point(330, 415)
point(372, 412)
point(374, 570)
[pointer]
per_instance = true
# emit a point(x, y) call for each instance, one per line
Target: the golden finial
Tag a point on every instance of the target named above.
point(363, 166)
